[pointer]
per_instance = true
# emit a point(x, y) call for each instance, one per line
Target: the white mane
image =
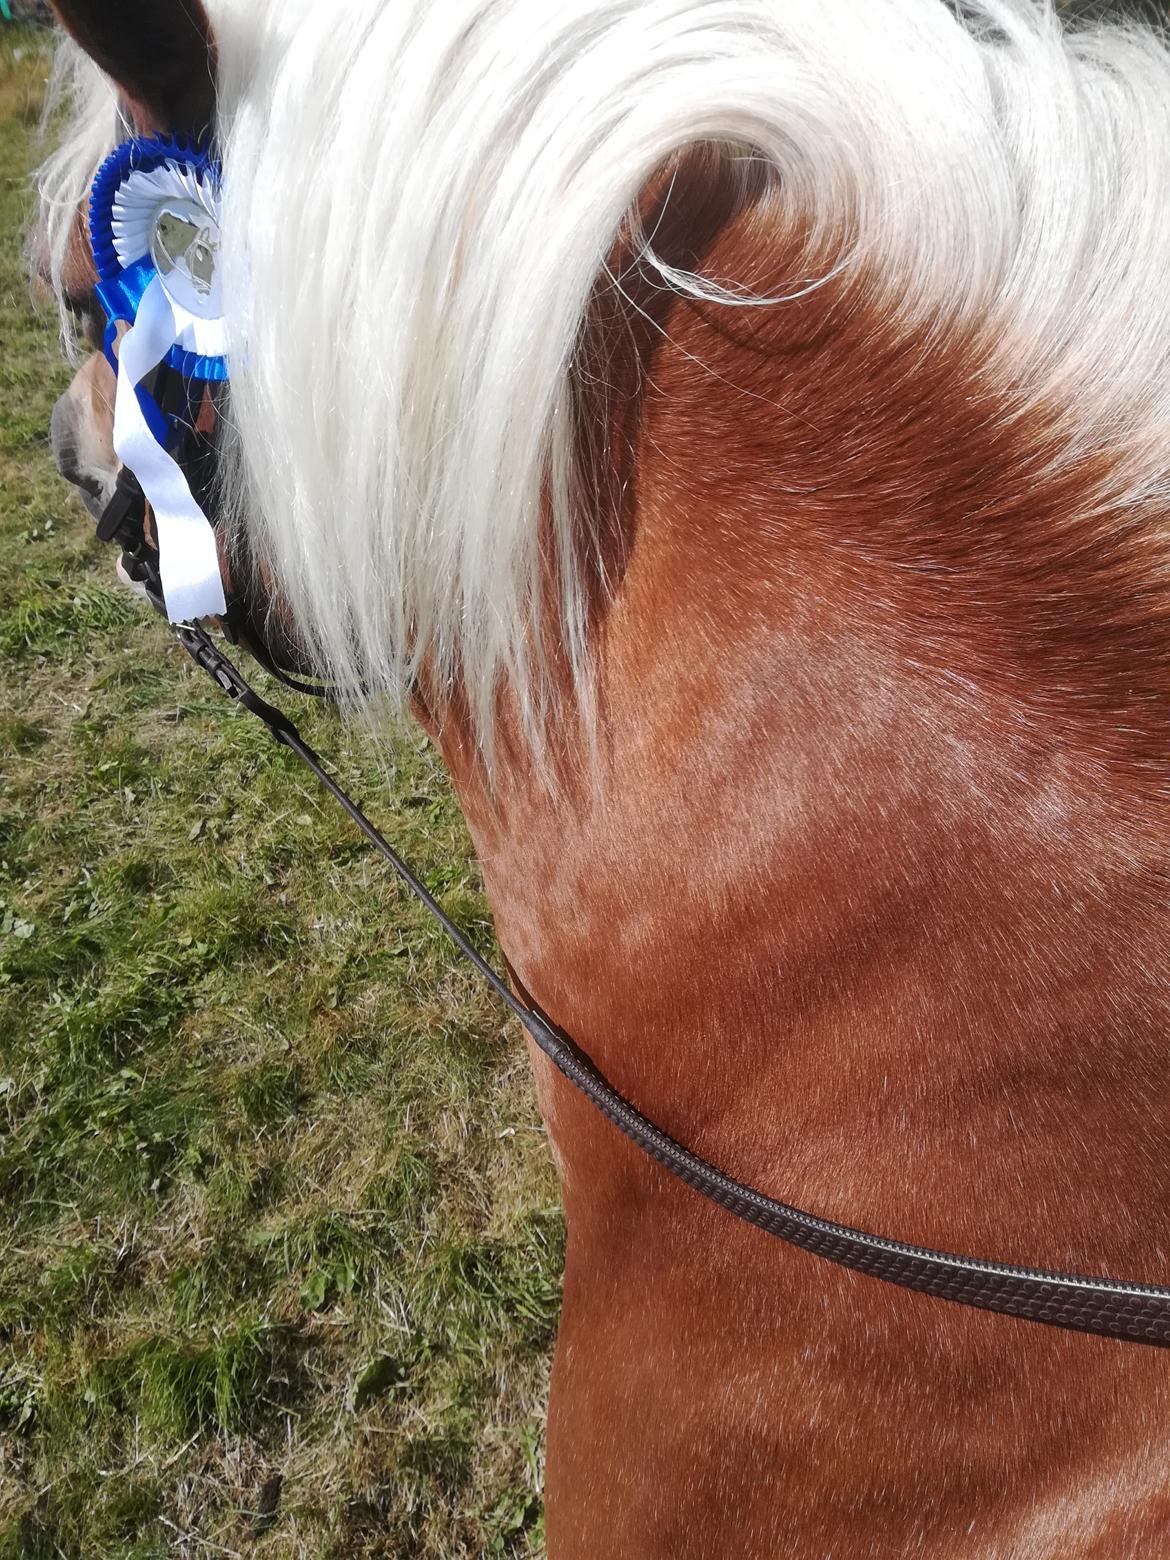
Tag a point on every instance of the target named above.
point(420, 197)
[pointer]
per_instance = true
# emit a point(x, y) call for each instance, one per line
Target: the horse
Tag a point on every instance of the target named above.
point(738, 431)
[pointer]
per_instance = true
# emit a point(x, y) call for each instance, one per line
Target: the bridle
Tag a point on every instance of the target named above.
point(1108, 1307)
point(195, 411)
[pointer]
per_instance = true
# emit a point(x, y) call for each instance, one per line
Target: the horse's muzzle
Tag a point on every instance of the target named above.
point(82, 435)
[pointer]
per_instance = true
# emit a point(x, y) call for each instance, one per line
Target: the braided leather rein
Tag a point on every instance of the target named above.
point(1111, 1308)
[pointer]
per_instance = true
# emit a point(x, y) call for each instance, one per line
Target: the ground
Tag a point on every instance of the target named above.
point(279, 1237)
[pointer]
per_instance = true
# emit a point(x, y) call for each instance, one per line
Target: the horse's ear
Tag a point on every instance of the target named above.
point(161, 53)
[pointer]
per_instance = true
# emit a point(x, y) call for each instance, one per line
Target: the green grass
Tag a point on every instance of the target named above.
point(279, 1240)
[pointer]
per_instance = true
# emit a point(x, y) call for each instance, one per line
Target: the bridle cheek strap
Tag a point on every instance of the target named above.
point(188, 557)
point(1111, 1308)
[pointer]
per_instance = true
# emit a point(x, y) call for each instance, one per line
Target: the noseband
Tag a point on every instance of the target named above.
point(190, 408)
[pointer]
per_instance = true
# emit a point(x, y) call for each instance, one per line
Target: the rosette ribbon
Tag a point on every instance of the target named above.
point(154, 229)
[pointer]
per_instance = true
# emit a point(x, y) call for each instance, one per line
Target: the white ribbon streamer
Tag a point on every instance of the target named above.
point(188, 557)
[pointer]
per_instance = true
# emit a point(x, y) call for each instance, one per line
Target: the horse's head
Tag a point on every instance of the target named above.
point(412, 456)
point(160, 61)
point(156, 82)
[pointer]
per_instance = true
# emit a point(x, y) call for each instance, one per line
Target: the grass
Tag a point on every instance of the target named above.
point(279, 1239)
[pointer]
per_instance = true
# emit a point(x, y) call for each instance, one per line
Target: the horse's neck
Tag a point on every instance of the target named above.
point(863, 898)
point(857, 950)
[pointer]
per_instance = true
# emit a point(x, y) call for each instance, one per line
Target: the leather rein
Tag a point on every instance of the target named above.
point(1111, 1308)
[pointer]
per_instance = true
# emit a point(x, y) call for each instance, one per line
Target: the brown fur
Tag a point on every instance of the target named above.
point(868, 905)
point(161, 53)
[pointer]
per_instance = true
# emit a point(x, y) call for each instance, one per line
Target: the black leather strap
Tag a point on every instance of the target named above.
point(1114, 1309)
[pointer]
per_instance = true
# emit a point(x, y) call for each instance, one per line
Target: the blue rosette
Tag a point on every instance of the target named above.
point(154, 211)
point(155, 235)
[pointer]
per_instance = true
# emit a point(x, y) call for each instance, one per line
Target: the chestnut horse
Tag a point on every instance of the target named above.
point(740, 428)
